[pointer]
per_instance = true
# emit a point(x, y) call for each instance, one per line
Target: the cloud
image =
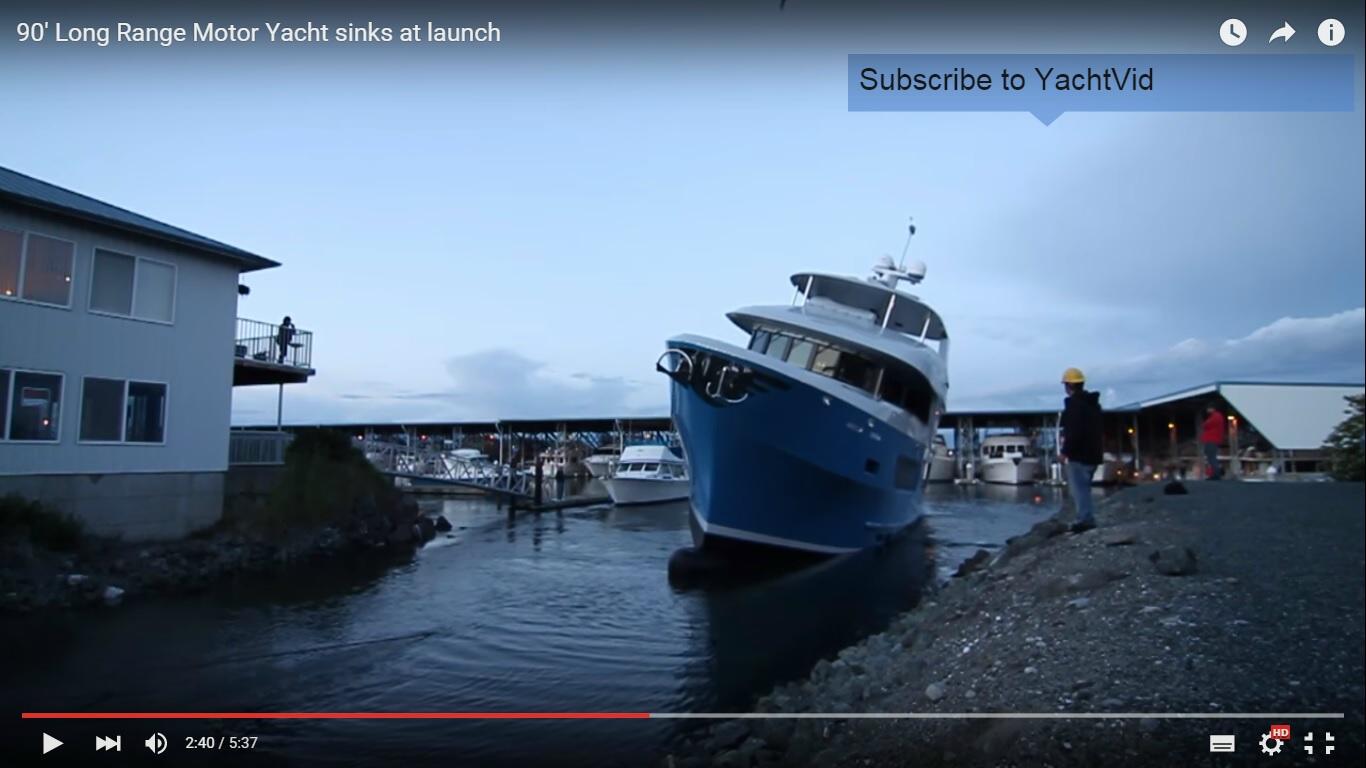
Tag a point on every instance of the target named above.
point(482, 386)
point(1327, 348)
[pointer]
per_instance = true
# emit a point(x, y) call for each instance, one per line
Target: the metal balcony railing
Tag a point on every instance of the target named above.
point(257, 447)
point(264, 343)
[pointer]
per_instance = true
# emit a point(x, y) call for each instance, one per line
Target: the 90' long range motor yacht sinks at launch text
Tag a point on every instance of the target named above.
point(814, 437)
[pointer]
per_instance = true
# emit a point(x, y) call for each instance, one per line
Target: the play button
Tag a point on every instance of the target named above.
point(50, 743)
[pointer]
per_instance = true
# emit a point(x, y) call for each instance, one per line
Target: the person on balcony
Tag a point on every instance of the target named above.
point(284, 337)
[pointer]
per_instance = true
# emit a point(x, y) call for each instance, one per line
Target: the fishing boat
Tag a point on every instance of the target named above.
point(814, 435)
point(648, 474)
point(1009, 459)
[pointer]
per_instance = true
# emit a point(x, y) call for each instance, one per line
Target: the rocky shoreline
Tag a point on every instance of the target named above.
point(1174, 604)
point(105, 572)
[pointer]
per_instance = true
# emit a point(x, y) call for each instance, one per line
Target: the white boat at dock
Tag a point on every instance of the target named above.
point(1009, 459)
point(469, 463)
point(943, 465)
point(602, 461)
point(648, 474)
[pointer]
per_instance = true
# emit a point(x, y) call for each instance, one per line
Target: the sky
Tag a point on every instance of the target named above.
point(513, 231)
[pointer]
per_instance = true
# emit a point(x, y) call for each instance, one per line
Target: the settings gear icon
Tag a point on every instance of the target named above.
point(1270, 744)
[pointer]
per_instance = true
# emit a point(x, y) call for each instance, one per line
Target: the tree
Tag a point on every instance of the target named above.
point(1346, 446)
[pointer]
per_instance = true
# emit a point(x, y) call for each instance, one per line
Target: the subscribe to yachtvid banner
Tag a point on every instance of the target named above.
point(1051, 85)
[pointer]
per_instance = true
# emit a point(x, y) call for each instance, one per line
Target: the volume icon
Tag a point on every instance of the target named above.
point(156, 742)
point(104, 743)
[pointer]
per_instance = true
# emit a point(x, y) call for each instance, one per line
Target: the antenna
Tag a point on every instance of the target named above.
point(910, 232)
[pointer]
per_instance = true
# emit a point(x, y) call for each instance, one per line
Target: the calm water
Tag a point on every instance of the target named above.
point(568, 611)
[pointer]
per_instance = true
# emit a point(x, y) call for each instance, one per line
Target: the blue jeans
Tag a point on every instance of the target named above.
point(1212, 460)
point(1079, 483)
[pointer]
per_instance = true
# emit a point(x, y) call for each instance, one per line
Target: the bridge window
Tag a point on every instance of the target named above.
point(825, 361)
point(778, 346)
point(801, 352)
point(907, 388)
point(759, 342)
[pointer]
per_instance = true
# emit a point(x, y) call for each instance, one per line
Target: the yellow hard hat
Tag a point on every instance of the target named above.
point(1073, 376)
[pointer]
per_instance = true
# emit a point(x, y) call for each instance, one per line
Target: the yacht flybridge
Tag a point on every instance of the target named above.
point(815, 435)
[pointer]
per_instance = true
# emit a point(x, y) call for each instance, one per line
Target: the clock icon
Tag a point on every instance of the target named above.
point(1233, 32)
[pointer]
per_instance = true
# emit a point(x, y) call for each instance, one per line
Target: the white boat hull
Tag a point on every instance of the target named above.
point(1010, 471)
point(942, 469)
point(599, 466)
point(640, 490)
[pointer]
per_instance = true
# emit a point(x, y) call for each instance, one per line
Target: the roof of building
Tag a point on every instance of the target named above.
point(1290, 415)
point(27, 191)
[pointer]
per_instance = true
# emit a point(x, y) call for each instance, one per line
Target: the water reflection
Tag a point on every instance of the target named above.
point(563, 611)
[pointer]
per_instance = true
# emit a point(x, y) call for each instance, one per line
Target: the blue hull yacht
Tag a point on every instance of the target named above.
point(816, 436)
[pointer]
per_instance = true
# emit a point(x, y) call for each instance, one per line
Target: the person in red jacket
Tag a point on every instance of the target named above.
point(1211, 437)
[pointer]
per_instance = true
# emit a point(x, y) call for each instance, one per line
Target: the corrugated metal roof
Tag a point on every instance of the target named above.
point(28, 191)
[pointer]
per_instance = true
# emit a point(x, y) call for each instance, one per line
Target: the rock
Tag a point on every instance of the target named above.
point(935, 691)
point(1112, 705)
point(1175, 488)
point(731, 758)
point(1174, 561)
point(1031, 670)
point(750, 747)
point(1079, 602)
point(426, 528)
point(1118, 537)
point(76, 579)
point(442, 524)
point(975, 563)
point(112, 595)
point(727, 735)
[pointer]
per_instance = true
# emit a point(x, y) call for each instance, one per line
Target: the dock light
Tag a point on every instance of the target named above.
point(1131, 430)
point(1170, 425)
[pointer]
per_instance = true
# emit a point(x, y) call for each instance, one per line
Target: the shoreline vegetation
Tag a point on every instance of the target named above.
point(1234, 597)
point(329, 501)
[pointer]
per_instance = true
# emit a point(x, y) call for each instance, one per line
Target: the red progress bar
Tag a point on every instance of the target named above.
point(335, 715)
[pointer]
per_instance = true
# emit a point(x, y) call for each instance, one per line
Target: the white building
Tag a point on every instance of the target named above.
point(119, 348)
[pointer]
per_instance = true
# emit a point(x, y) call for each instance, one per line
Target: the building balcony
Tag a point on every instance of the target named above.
point(263, 356)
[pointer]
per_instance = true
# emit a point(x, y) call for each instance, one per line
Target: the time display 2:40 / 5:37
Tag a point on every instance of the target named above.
point(220, 742)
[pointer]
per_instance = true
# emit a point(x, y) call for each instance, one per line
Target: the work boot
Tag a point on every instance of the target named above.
point(1082, 526)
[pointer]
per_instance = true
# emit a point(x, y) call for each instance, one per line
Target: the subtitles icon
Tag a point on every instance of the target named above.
point(156, 742)
point(1223, 743)
point(1326, 745)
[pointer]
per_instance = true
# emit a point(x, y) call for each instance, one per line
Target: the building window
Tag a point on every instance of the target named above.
point(102, 410)
point(35, 404)
point(4, 403)
point(131, 286)
point(36, 267)
point(146, 412)
point(11, 253)
point(119, 411)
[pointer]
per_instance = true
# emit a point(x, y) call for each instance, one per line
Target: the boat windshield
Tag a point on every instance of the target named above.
point(900, 385)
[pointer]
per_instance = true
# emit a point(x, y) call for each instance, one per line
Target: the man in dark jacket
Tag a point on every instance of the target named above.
point(1080, 445)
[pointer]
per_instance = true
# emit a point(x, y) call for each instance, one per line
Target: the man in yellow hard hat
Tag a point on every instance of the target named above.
point(1080, 444)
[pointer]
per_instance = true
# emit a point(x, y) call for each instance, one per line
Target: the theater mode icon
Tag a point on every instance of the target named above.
point(1221, 743)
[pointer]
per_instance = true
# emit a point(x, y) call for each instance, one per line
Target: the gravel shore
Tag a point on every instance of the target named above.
point(1234, 598)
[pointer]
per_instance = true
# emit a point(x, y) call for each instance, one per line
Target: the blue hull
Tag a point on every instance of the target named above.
point(794, 468)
